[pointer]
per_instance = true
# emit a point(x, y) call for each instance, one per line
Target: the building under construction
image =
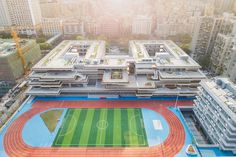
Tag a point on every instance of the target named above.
point(12, 67)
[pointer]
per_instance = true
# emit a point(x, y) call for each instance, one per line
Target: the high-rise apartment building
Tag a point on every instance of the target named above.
point(110, 27)
point(142, 25)
point(5, 19)
point(216, 112)
point(228, 26)
point(25, 15)
point(91, 26)
point(178, 18)
point(174, 25)
point(223, 49)
point(223, 5)
point(222, 57)
point(73, 27)
point(52, 26)
point(50, 8)
point(230, 71)
point(204, 36)
point(234, 8)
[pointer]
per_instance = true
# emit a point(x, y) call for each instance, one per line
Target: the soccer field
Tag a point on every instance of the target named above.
point(102, 128)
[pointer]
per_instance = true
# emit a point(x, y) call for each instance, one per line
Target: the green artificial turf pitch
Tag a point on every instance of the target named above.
point(102, 128)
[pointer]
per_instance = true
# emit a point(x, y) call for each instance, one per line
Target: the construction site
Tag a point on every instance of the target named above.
point(12, 67)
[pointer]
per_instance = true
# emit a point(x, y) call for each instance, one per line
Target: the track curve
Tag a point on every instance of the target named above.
point(16, 147)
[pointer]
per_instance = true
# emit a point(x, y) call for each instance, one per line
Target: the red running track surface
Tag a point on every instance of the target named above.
point(16, 147)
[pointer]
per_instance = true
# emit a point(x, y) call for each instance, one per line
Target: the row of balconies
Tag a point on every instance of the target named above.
point(214, 129)
point(221, 116)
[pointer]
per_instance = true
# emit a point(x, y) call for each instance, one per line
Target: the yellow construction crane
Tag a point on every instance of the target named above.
point(19, 50)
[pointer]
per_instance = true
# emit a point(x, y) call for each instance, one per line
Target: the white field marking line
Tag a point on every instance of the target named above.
point(142, 129)
point(67, 132)
point(71, 128)
point(104, 124)
point(100, 140)
point(112, 145)
point(144, 132)
point(100, 144)
point(131, 130)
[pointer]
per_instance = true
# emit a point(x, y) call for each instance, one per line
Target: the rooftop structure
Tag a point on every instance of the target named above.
point(83, 68)
point(163, 53)
point(215, 108)
point(70, 53)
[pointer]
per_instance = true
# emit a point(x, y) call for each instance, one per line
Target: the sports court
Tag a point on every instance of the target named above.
point(103, 127)
point(72, 126)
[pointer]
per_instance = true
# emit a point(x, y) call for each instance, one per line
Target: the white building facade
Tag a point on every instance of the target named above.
point(142, 25)
point(73, 27)
point(204, 36)
point(207, 30)
point(5, 20)
point(25, 15)
point(221, 55)
point(215, 109)
point(52, 26)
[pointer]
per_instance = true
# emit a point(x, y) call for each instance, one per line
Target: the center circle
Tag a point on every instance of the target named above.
point(102, 124)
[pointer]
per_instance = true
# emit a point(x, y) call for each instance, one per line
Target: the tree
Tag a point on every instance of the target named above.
point(79, 37)
point(205, 61)
point(186, 48)
point(5, 35)
point(181, 38)
point(41, 40)
point(102, 37)
point(45, 46)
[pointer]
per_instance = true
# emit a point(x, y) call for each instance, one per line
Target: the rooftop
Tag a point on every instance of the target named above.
point(71, 54)
point(224, 90)
point(8, 46)
point(162, 52)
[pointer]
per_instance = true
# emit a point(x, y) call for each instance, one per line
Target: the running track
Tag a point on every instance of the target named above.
point(16, 147)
